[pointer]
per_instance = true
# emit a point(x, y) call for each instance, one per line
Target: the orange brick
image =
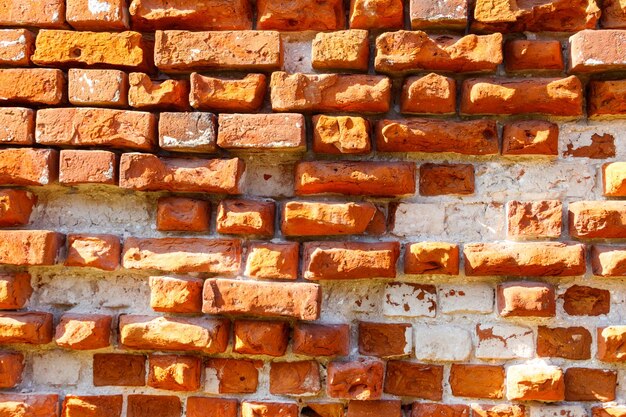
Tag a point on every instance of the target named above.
point(385, 339)
point(253, 337)
point(586, 384)
point(33, 13)
point(443, 179)
point(106, 15)
point(180, 214)
point(611, 344)
point(390, 408)
point(140, 405)
point(564, 342)
point(11, 368)
point(92, 405)
point(409, 379)
point(262, 132)
point(29, 405)
point(316, 339)
point(174, 372)
point(176, 295)
point(534, 219)
point(341, 134)
point(226, 94)
point(302, 218)
point(87, 167)
point(83, 331)
point(613, 17)
point(257, 408)
point(614, 179)
point(246, 217)
point(232, 376)
point(526, 299)
point(608, 261)
point(379, 14)
point(273, 260)
point(147, 94)
point(597, 219)
point(606, 99)
point(295, 378)
point(188, 132)
point(428, 94)
point(431, 258)
point(535, 383)
point(498, 410)
point(300, 15)
point(17, 47)
point(32, 86)
point(323, 409)
point(434, 409)
point(593, 51)
point(29, 247)
point(356, 380)
point(15, 290)
point(341, 50)
point(438, 14)
point(18, 126)
point(31, 327)
point(16, 207)
point(118, 369)
point(525, 55)
point(95, 251)
point(579, 300)
point(216, 407)
point(100, 88)
point(530, 137)
point(477, 381)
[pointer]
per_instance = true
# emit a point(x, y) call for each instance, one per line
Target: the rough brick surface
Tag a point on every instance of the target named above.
point(97, 87)
point(225, 94)
point(262, 132)
point(341, 134)
point(32, 86)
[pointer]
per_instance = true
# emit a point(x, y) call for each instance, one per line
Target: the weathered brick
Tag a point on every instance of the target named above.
point(586, 384)
point(188, 132)
point(29, 405)
point(15, 290)
point(601, 147)
point(378, 14)
point(33, 13)
point(341, 134)
point(31, 327)
point(148, 15)
point(246, 217)
point(141, 405)
point(179, 254)
point(29, 247)
point(438, 14)
point(409, 379)
point(95, 251)
point(530, 137)
point(355, 178)
point(357, 380)
point(324, 409)
point(183, 214)
point(466, 298)
point(258, 408)
point(148, 94)
point(341, 50)
point(411, 51)
point(83, 331)
point(504, 341)
point(92, 405)
point(200, 334)
point(529, 55)
point(262, 132)
point(432, 258)
point(477, 381)
point(606, 99)
point(100, 15)
point(295, 378)
point(315, 339)
point(254, 337)
point(524, 259)
point(611, 344)
point(614, 179)
point(16, 207)
point(96, 87)
point(579, 300)
point(31, 86)
point(96, 127)
point(11, 368)
point(608, 411)
point(428, 94)
point(593, 51)
point(148, 172)
point(564, 342)
point(409, 300)
point(123, 50)
point(174, 372)
point(17, 126)
point(390, 408)
point(608, 261)
point(442, 343)
point(349, 260)
point(535, 383)
point(87, 167)
point(613, 17)
point(274, 299)
point(435, 409)
point(468, 137)
point(534, 219)
point(551, 96)
point(226, 94)
point(443, 179)
point(330, 92)
point(17, 47)
point(176, 295)
point(119, 369)
point(385, 339)
point(300, 15)
point(232, 376)
point(227, 50)
point(597, 219)
point(302, 218)
point(526, 299)
point(273, 260)
point(498, 410)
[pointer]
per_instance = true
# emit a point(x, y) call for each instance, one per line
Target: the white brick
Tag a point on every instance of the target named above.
point(57, 368)
point(504, 341)
point(442, 343)
point(472, 298)
point(409, 300)
point(558, 411)
point(423, 219)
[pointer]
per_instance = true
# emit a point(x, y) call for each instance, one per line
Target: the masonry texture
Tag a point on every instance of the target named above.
point(318, 208)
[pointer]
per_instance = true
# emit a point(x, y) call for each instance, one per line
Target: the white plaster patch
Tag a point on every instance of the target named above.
point(470, 298)
point(409, 300)
point(504, 341)
point(442, 343)
point(97, 6)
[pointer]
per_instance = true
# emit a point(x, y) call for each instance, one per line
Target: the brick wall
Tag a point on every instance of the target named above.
point(317, 208)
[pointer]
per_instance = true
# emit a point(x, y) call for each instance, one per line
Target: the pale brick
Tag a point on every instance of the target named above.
point(444, 343)
point(504, 341)
point(409, 300)
point(466, 298)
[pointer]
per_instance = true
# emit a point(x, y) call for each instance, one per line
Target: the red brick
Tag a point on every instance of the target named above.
point(411, 51)
point(200, 334)
point(63, 48)
point(180, 254)
point(188, 132)
point(385, 339)
point(530, 137)
point(246, 217)
point(273, 260)
point(601, 147)
point(148, 15)
point(96, 127)
point(11, 368)
point(341, 134)
point(17, 47)
point(176, 295)
point(606, 99)
point(107, 15)
point(499, 410)
point(529, 55)
point(302, 218)
point(147, 94)
point(31, 327)
point(439, 410)
point(174, 372)
point(608, 261)
point(95, 251)
point(92, 406)
point(534, 219)
point(233, 376)
point(356, 380)
point(378, 14)
point(614, 179)
point(29, 247)
point(272, 299)
point(253, 337)
point(87, 167)
point(294, 378)
point(586, 384)
point(317, 339)
point(300, 15)
point(179, 214)
point(118, 369)
point(613, 17)
point(262, 132)
point(83, 331)
point(526, 299)
point(35, 13)
point(216, 407)
point(31, 86)
point(18, 126)
point(355, 178)
point(148, 172)
point(16, 207)
point(15, 290)
point(593, 51)
point(349, 260)
point(246, 50)
point(524, 259)
point(99, 88)
point(443, 179)
point(428, 94)
point(390, 408)
point(330, 92)
point(341, 50)
point(608, 411)
point(477, 381)
point(323, 409)
point(597, 219)
point(226, 94)
point(409, 379)
point(550, 96)
point(44, 405)
point(535, 383)
point(564, 342)
point(438, 14)
point(467, 137)
point(431, 258)
point(274, 409)
point(586, 301)
point(140, 405)
point(611, 344)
